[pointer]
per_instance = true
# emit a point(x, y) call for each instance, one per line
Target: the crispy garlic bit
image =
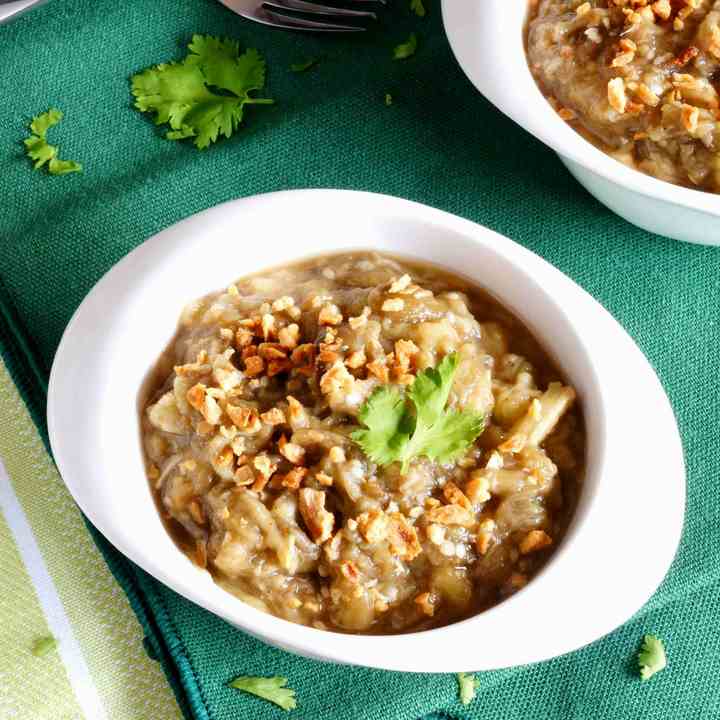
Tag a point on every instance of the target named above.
point(535, 540)
point(318, 520)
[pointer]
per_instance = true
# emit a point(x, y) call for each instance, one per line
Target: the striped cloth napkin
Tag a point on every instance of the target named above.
point(55, 583)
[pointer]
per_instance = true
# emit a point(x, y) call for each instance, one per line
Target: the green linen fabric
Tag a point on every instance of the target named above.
point(439, 143)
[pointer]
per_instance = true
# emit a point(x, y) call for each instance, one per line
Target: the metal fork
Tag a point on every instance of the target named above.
point(280, 13)
point(10, 9)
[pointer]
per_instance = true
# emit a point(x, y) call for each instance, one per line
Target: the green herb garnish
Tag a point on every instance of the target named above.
point(42, 646)
point(417, 7)
point(303, 66)
point(651, 657)
point(272, 689)
point(467, 685)
point(406, 49)
point(38, 149)
point(204, 96)
point(400, 428)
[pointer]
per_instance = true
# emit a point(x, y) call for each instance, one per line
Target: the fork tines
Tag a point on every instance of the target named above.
point(305, 15)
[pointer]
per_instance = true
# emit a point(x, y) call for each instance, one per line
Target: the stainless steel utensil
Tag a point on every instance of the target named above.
point(10, 9)
point(304, 15)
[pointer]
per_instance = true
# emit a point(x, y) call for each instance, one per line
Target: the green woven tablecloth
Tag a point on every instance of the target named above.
point(438, 143)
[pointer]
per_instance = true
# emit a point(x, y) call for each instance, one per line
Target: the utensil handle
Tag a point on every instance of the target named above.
point(9, 10)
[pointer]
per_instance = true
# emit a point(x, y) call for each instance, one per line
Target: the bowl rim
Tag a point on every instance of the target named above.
point(406, 652)
point(482, 39)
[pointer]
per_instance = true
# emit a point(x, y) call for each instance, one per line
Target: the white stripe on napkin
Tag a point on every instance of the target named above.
point(77, 670)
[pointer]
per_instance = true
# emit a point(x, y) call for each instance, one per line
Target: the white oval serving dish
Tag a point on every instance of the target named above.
point(596, 579)
point(488, 41)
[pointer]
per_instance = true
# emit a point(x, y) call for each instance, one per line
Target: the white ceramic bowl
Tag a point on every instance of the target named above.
point(596, 579)
point(487, 38)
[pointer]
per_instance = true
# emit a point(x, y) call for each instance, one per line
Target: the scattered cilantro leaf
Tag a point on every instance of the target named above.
point(388, 99)
point(400, 428)
point(40, 151)
point(651, 657)
point(305, 65)
point(203, 96)
point(406, 49)
point(417, 7)
point(42, 646)
point(63, 167)
point(181, 134)
point(272, 689)
point(468, 684)
point(223, 67)
point(42, 123)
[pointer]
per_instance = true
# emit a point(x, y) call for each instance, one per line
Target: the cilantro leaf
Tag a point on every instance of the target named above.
point(42, 646)
point(446, 438)
point(224, 68)
point(651, 657)
point(63, 167)
point(272, 689)
point(417, 7)
point(40, 151)
point(188, 95)
point(468, 684)
point(431, 389)
point(43, 122)
point(305, 65)
point(385, 415)
point(172, 91)
point(394, 433)
point(406, 49)
point(438, 435)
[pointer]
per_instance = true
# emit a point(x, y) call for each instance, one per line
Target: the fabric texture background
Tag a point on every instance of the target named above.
point(439, 143)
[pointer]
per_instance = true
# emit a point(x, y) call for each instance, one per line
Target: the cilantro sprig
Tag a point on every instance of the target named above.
point(300, 67)
point(417, 7)
point(400, 428)
point(406, 49)
point(272, 689)
point(41, 152)
point(467, 686)
point(204, 96)
point(651, 657)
